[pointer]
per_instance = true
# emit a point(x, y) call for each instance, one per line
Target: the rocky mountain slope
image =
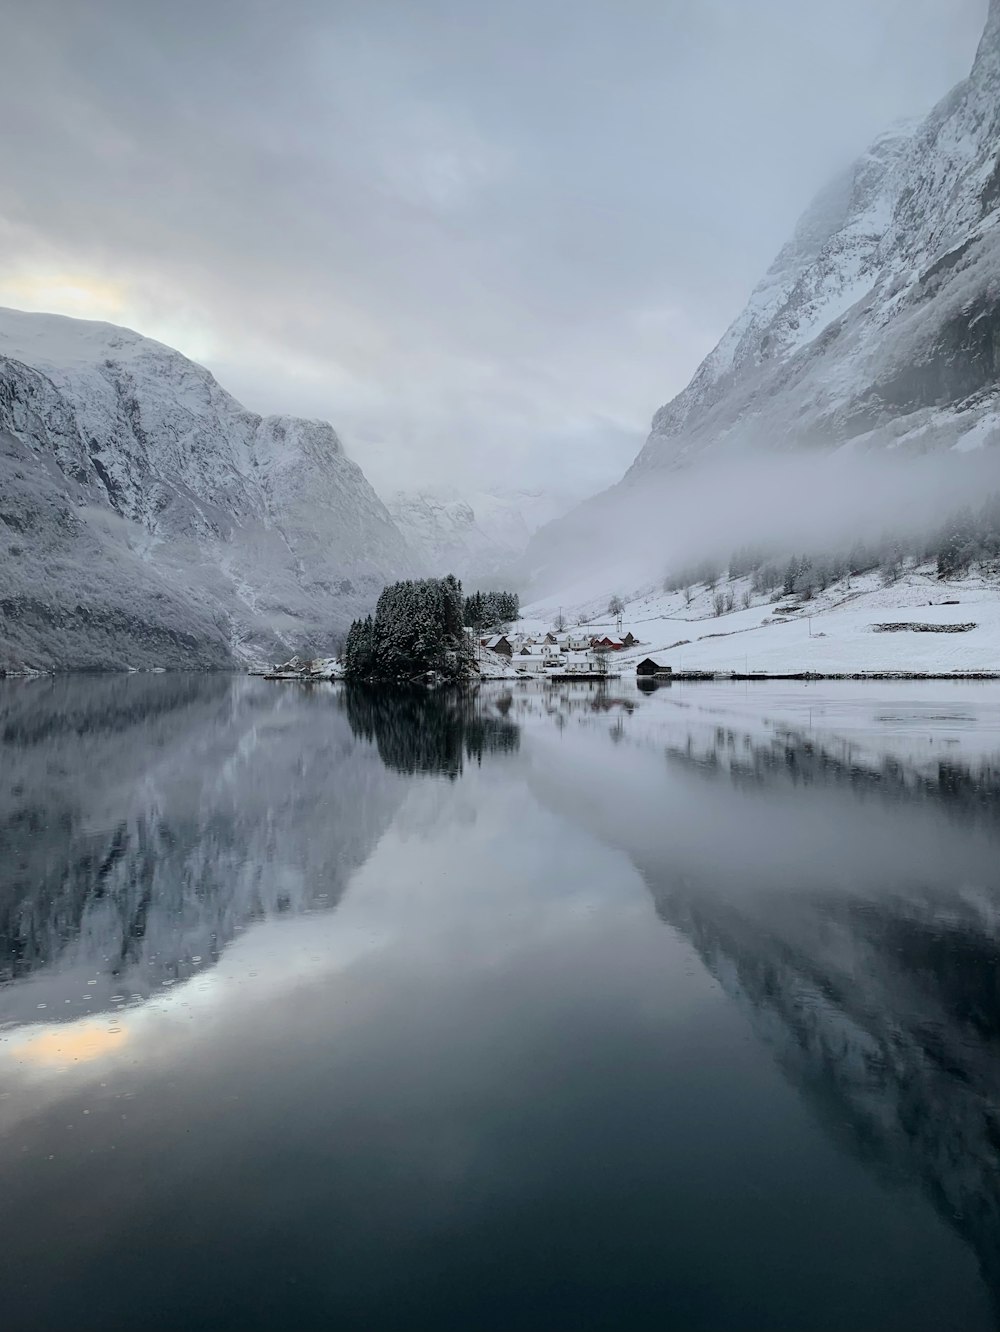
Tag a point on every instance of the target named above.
point(876, 328)
point(879, 323)
point(148, 519)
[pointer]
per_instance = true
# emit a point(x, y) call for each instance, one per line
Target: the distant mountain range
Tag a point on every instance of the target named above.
point(148, 519)
point(479, 536)
point(877, 327)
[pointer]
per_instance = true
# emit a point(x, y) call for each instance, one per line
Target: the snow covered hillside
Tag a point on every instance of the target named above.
point(876, 330)
point(855, 626)
point(148, 519)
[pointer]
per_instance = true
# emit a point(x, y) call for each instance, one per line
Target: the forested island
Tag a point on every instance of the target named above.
point(422, 630)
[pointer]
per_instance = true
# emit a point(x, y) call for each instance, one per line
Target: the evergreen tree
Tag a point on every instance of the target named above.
point(490, 610)
point(791, 574)
point(417, 630)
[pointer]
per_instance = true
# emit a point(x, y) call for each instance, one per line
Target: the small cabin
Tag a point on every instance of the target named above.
point(648, 667)
point(607, 643)
point(630, 639)
point(499, 643)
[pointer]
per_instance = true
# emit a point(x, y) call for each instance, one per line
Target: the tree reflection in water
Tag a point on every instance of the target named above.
point(420, 730)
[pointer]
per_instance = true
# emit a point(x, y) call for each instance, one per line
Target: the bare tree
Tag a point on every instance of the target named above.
point(560, 622)
point(745, 598)
point(719, 604)
point(616, 605)
point(688, 596)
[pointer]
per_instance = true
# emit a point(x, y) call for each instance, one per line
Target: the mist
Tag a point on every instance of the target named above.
point(635, 536)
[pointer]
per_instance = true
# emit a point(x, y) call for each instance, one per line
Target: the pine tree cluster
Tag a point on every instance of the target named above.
point(491, 610)
point(416, 631)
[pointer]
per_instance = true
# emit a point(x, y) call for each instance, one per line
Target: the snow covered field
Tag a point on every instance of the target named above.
point(833, 634)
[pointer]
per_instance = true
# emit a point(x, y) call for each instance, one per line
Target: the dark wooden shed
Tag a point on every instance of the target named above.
point(648, 667)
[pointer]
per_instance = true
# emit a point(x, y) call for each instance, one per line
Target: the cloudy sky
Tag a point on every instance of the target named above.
point(487, 240)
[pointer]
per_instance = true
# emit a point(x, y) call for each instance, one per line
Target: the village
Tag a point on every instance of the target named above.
point(567, 655)
point(394, 644)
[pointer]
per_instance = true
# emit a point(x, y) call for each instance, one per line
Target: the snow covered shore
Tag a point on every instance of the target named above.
point(839, 632)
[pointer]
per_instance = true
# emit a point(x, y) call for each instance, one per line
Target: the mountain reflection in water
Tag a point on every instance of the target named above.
point(831, 860)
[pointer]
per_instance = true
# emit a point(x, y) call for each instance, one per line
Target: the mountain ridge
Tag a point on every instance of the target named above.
point(923, 213)
point(152, 520)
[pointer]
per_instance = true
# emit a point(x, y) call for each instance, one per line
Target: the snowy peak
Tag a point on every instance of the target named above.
point(138, 415)
point(878, 319)
point(262, 526)
point(988, 54)
point(830, 263)
point(949, 187)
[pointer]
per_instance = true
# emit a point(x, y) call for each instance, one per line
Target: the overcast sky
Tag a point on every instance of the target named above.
point(486, 238)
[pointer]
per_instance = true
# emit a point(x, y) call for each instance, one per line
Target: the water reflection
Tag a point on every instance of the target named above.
point(969, 790)
point(845, 892)
point(435, 731)
point(145, 821)
point(833, 869)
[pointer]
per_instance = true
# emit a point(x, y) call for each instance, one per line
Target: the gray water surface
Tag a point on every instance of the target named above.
point(571, 1008)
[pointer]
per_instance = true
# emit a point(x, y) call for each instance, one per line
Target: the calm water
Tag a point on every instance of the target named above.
point(546, 1010)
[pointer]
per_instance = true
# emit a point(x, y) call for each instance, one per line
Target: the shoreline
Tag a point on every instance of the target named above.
point(685, 677)
point(763, 676)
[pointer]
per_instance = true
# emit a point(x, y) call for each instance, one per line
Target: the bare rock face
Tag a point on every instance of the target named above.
point(148, 519)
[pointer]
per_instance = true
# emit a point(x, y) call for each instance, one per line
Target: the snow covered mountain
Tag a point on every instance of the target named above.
point(477, 536)
point(879, 323)
point(876, 328)
point(148, 519)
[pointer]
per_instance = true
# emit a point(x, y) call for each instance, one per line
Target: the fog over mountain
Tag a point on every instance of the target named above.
point(874, 335)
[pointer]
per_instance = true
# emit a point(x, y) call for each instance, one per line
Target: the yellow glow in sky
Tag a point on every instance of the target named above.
point(84, 297)
point(87, 295)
